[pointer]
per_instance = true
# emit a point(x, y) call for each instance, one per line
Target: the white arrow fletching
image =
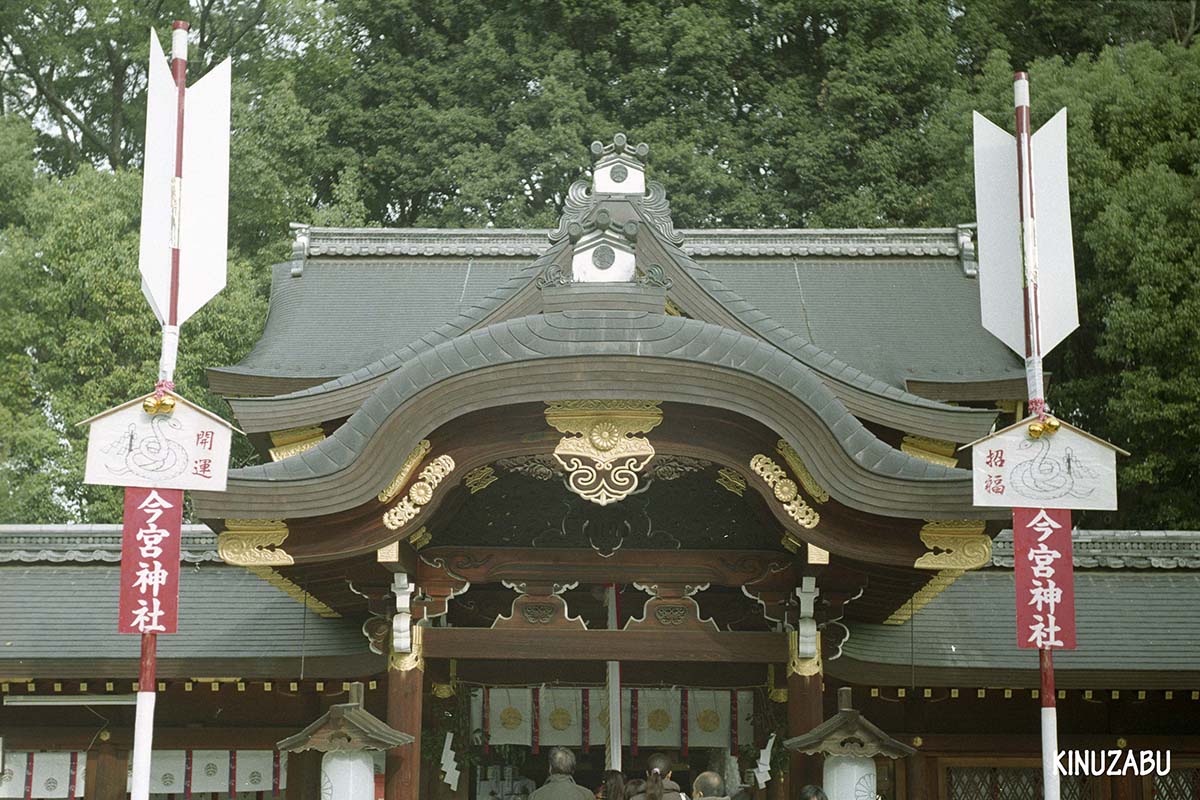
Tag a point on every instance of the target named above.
point(203, 191)
point(1057, 304)
point(154, 251)
point(203, 230)
point(997, 210)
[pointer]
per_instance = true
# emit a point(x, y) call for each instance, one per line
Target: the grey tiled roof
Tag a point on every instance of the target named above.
point(485, 242)
point(340, 316)
point(1119, 549)
point(90, 544)
point(366, 292)
point(1127, 623)
point(895, 319)
point(67, 615)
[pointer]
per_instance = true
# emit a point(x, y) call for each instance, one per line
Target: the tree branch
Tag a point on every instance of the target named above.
point(255, 18)
point(46, 90)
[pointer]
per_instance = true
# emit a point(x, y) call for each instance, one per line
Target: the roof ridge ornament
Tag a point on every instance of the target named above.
point(619, 167)
point(620, 146)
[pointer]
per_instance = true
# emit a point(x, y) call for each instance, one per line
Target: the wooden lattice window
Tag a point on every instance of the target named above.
point(1178, 784)
point(1010, 783)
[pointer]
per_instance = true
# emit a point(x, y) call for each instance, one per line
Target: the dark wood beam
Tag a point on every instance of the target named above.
point(763, 570)
point(723, 438)
point(747, 647)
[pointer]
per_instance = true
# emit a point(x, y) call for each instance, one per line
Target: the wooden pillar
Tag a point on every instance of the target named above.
point(805, 711)
point(1125, 787)
point(406, 684)
point(920, 777)
point(105, 777)
point(304, 775)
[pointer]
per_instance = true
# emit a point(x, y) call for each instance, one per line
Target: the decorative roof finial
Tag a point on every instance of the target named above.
point(619, 166)
point(620, 146)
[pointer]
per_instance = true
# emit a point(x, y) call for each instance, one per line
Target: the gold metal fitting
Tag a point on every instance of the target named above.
point(1052, 425)
point(158, 405)
point(1036, 429)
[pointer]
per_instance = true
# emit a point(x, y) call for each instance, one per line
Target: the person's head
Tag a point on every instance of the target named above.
point(658, 769)
point(562, 761)
point(708, 784)
point(811, 792)
point(634, 787)
point(614, 785)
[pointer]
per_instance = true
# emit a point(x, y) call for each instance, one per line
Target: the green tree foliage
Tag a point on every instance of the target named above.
point(469, 113)
point(78, 339)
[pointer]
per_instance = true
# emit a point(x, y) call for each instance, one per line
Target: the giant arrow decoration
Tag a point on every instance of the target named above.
point(159, 444)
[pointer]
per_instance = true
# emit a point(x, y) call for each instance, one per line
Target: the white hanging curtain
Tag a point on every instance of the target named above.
point(51, 774)
point(560, 713)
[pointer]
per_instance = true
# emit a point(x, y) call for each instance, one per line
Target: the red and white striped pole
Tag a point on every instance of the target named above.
point(1033, 325)
point(1037, 393)
point(1049, 727)
point(143, 731)
point(170, 333)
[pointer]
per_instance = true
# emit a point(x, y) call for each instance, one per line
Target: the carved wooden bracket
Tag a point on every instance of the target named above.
point(438, 584)
point(539, 606)
point(671, 608)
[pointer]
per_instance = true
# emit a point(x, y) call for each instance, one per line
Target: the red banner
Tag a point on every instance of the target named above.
point(1045, 575)
point(150, 560)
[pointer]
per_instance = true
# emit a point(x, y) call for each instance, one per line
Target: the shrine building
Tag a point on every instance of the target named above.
point(615, 479)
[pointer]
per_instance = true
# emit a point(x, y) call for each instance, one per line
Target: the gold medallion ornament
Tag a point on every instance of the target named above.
point(709, 720)
point(801, 471)
point(419, 494)
point(785, 491)
point(601, 453)
point(658, 720)
point(560, 719)
point(510, 718)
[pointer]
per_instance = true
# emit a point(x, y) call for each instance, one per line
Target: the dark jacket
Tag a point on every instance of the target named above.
point(670, 792)
point(561, 787)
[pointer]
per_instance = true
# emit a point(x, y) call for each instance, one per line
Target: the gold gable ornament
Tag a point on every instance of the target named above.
point(245, 543)
point(601, 452)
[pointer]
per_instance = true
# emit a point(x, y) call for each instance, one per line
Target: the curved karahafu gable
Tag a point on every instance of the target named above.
point(693, 289)
point(580, 354)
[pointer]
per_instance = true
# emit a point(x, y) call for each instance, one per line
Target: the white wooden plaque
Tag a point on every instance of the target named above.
point(187, 449)
point(1067, 469)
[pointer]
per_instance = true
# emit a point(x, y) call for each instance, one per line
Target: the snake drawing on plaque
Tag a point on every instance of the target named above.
point(1049, 476)
point(152, 455)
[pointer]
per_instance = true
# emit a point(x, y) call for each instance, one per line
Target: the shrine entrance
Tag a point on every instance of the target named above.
point(517, 613)
point(612, 483)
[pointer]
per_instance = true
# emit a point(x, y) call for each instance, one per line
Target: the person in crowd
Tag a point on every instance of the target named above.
point(659, 785)
point(561, 784)
point(709, 785)
point(614, 786)
point(811, 792)
point(634, 787)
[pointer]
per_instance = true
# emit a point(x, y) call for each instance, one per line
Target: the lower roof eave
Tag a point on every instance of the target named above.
point(247, 668)
point(233, 382)
point(864, 673)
